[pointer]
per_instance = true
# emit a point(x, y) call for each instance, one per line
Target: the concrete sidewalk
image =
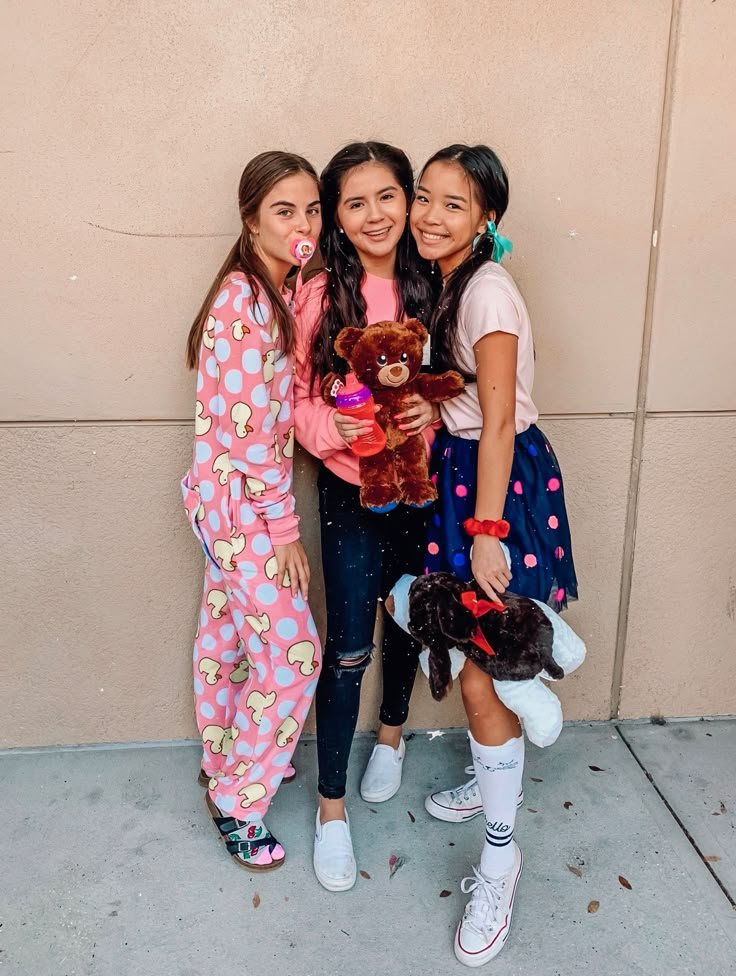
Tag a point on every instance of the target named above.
point(111, 867)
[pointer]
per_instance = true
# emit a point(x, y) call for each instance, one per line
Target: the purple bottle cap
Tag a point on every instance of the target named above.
point(353, 394)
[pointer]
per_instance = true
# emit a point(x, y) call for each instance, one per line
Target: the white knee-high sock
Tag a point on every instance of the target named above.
point(499, 770)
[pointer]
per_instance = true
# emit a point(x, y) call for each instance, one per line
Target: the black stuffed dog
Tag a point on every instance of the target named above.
point(511, 640)
point(517, 641)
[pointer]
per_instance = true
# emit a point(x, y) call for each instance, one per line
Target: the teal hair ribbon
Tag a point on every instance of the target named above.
point(501, 245)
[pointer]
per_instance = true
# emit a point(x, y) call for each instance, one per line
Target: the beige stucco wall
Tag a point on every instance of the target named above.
point(125, 128)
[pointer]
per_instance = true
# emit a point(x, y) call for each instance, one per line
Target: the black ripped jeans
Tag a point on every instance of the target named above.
point(363, 554)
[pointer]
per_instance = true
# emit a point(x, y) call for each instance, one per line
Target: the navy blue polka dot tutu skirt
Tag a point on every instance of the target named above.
point(539, 540)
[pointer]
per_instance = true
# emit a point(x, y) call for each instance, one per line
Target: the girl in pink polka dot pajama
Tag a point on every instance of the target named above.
point(257, 654)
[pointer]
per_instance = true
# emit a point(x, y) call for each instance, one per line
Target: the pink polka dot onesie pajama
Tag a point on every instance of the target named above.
point(257, 654)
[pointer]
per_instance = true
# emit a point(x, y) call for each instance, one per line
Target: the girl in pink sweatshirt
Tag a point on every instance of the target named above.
point(256, 654)
point(372, 273)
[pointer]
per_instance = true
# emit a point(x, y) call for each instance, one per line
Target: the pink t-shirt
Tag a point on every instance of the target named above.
point(491, 303)
point(315, 428)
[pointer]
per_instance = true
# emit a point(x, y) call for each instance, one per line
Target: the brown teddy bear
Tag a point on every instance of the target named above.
point(387, 358)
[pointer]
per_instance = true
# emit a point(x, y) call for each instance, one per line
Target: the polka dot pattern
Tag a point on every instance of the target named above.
point(248, 657)
point(539, 537)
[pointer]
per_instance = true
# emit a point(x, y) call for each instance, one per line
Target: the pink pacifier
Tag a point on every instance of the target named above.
point(303, 249)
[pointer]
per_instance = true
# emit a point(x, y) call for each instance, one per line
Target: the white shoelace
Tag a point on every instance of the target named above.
point(480, 912)
point(463, 792)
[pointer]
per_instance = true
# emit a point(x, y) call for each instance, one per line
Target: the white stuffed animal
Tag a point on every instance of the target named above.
point(518, 642)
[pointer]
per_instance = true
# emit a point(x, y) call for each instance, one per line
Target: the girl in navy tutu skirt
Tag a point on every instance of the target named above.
point(492, 466)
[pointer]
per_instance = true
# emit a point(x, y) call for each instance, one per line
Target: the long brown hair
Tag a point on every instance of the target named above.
point(261, 174)
point(343, 302)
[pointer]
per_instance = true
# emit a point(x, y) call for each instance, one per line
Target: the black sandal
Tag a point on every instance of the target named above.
point(245, 852)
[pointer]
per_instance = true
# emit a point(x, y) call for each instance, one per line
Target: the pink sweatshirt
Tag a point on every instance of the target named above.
point(315, 428)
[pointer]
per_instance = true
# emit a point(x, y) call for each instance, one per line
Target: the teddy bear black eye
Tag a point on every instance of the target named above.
point(382, 360)
point(403, 358)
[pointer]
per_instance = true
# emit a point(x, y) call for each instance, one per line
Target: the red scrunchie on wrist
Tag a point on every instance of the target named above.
point(499, 529)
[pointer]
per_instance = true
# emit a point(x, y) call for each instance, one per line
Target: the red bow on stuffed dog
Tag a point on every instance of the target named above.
point(480, 607)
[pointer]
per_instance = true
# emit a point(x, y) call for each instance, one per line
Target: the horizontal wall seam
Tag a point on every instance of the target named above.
point(188, 422)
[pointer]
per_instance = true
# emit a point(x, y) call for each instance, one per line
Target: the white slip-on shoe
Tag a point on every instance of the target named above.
point(461, 804)
point(382, 776)
point(486, 921)
point(334, 861)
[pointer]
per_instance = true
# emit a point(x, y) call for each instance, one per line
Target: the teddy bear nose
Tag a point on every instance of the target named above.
point(396, 371)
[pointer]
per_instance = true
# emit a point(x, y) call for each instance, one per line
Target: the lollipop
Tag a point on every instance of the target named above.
point(302, 249)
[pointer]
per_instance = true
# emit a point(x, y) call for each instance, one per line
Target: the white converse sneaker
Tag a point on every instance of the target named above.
point(461, 804)
point(382, 776)
point(334, 861)
point(486, 921)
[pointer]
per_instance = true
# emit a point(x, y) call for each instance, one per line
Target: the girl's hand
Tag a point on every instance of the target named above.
point(418, 414)
point(489, 566)
point(293, 568)
point(350, 429)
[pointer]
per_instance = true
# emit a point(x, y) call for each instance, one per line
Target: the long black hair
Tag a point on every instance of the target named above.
point(343, 303)
point(490, 186)
point(261, 174)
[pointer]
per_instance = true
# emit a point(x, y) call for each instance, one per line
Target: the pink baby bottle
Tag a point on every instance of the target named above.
point(356, 401)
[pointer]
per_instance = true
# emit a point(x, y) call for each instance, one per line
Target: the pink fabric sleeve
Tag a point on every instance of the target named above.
point(247, 386)
point(315, 429)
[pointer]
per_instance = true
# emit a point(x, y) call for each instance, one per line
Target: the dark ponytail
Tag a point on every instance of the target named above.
point(261, 174)
point(343, 303)
point(490, 187)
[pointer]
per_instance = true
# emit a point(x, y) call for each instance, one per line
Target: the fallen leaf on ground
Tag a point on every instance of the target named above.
point(711, 858)
point(596, 769)
point(394, 863)
point(256, 900)
point(445, 893)
point(451, 844)
point(567, 804)
point(622, 881)
point(364, 874)
point(411, 816)
point(573, 870)
point(530, 810)
point(536, 780)
point(593, 907)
